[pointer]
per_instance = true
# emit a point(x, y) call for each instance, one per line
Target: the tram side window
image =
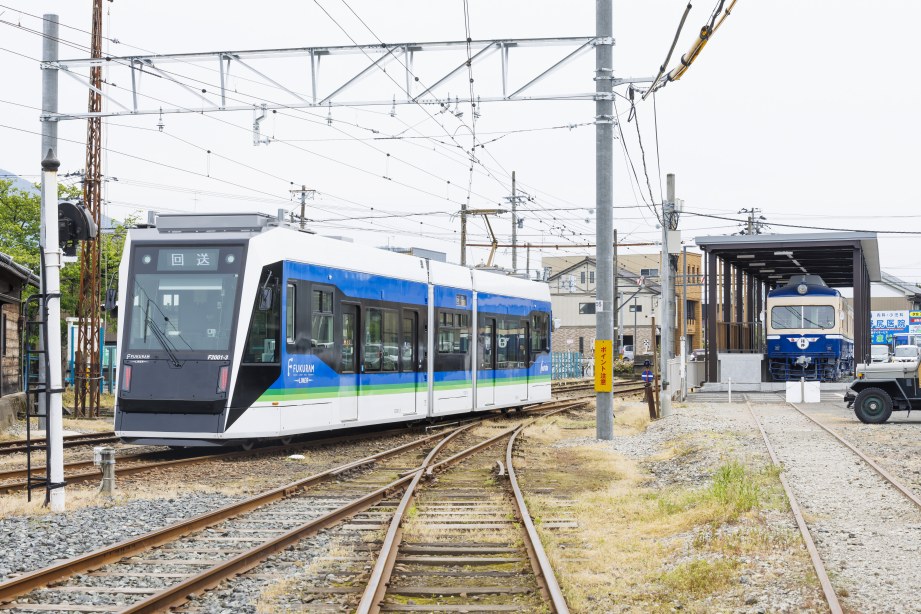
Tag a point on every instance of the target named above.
point(290, 311)
point(371, 359)
point(453, 332)
point(512, 347)
point(390, 341)
point(322, 320)
point(407, 343)
point(264, 334)
point(540, 333)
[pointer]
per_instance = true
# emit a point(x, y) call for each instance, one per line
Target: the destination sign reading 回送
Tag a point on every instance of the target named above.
point(188, 259)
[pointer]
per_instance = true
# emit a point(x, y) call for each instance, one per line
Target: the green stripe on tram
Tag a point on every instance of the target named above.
point(328, 392)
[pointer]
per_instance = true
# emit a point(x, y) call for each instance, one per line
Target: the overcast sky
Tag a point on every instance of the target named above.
point(804, 110)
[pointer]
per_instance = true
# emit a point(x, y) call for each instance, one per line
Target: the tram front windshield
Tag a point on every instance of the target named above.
point(182, 299)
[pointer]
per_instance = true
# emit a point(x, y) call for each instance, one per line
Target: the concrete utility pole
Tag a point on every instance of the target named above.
point(514, 199)
point(604, 199)
point(668, 296)
point(51, 275)
point(615, 317)
point(305, 194)
point(49, 142)
point(52, 314)
point(463, 217)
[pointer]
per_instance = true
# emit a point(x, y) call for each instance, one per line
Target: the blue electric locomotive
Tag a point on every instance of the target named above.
point(809, 331)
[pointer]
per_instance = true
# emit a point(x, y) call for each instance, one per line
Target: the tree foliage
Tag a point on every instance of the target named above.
point(20, 227)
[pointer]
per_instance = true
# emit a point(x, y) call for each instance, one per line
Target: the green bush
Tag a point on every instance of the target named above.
point(623, 367)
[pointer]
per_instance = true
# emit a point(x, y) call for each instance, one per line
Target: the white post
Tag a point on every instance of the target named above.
point(730, 390)
point(683, 366)
point(52, 304)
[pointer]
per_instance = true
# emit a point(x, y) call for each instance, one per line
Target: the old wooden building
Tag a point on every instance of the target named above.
point(14, 279)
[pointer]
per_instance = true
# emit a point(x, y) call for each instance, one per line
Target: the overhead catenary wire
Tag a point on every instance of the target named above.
point(671, 50)
point(703, 37)
point(479, 164)
point(476, 161)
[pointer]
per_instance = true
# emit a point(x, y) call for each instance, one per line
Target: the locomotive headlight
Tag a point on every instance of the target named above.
point(802, 289)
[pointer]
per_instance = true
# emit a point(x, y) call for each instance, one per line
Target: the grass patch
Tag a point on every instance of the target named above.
point(699, 577)
point(734, 488)
point(638, 548)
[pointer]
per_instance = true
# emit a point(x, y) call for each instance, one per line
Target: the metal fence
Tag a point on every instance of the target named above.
point(566, 365)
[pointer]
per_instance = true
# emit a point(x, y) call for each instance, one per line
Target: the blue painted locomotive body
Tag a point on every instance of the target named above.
point(809, 332)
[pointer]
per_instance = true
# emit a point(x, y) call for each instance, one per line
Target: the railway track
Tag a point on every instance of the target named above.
point(161, 569)
point(70, 441)
point(577, 386)
point(462, 549)
point(828, 589)
point(133, 464)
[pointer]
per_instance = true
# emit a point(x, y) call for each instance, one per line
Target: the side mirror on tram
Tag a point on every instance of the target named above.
point(266, 298)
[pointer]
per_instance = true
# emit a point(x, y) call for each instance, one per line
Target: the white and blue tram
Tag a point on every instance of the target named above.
point(238, 328)
point(809, 331)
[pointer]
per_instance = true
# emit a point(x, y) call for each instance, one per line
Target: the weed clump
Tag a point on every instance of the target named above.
point(700, 576)
point(735, 489)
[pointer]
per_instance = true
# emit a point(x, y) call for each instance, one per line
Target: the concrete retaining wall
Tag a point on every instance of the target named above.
point(10, 405)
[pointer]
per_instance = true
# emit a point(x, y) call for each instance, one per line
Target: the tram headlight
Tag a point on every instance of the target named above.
point(126, 378)
point(223, 379)
point(802, 288)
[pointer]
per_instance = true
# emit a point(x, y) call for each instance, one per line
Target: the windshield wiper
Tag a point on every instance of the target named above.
point(161, 337)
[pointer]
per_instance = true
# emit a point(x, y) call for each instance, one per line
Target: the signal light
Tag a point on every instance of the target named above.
point(126, 378)
point(223, 378)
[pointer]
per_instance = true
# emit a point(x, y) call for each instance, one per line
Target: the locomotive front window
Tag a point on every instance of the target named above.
point(183, 299)
point(814, 317)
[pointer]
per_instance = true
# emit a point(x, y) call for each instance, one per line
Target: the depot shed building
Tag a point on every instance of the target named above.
point(739, 271)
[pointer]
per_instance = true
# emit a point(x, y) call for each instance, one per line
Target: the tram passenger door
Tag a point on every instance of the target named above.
point(349, 376)
point(411, 366)
point(486, 363)
point(524, 356)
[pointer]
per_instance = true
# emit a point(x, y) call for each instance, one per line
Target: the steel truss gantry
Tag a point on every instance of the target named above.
point(203, 78)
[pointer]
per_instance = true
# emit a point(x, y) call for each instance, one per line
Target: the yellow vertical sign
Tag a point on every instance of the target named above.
point(604, 365)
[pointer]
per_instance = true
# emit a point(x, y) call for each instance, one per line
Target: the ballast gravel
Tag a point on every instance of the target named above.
point(31, 543)
point(868, 534)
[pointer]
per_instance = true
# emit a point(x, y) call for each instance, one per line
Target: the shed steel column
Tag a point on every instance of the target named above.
point(740, 313)
point(861, 311)
point(711, 318)
point(727, 305)
point(749, 311)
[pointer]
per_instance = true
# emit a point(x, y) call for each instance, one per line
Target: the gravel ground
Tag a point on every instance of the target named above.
point(868, 534)
point(896, 445)
point(32, 543)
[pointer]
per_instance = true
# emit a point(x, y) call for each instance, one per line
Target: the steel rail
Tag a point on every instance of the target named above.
point(376, 588)
point(84, 440)
point(830, 596)
point(882, 472)
point(22, 442)
point(93, 560)
point(383, 567)
point(540, 563)
point(221, 454)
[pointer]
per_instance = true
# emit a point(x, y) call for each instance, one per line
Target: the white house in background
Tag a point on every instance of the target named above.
point(573, 295)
